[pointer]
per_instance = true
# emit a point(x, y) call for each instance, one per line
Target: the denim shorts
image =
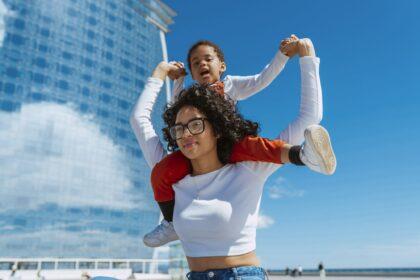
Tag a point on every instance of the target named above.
point(234, 273)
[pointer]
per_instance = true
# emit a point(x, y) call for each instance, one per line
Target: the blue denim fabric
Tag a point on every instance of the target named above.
point(234, 273)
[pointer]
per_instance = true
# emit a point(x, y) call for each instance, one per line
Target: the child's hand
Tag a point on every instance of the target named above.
point(176, 70)
point(289, 46)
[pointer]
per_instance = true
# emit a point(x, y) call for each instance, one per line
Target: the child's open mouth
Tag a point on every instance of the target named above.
point(204, 73)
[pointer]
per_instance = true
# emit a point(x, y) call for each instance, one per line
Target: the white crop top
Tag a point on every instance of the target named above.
point(216, 214)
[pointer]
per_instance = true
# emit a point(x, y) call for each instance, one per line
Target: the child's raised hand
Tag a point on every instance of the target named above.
point(289, 46)
point(176, 70)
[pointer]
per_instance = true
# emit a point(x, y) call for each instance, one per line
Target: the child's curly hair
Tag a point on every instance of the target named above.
point(216, 48)
point(219, 110)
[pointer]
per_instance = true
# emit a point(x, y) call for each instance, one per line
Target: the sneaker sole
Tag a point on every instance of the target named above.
point(320, 140)
point(159, 244)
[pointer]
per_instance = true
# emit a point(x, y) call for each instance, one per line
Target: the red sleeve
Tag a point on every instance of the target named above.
point(167, 172)
point(253, 148)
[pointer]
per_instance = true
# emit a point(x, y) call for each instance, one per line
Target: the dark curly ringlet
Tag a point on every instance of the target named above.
point(215, 47)
point(220, 111)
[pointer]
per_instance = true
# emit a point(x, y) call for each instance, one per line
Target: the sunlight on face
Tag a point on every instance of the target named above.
point(195, 146)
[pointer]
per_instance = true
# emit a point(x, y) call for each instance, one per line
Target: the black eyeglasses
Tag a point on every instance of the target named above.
point(194, 126)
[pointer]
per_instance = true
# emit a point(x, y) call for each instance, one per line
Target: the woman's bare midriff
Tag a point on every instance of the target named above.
point(206, 263)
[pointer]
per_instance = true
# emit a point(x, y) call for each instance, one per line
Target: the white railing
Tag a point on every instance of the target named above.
point(144, 266)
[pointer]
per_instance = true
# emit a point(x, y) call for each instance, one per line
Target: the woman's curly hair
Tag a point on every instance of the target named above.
point(219, 110)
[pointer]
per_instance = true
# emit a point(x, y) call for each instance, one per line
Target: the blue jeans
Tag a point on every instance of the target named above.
point(234, 273)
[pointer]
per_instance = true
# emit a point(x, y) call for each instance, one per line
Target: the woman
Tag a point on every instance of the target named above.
point(216, 207)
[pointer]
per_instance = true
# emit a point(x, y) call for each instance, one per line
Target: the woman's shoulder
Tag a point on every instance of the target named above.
point(258, 168)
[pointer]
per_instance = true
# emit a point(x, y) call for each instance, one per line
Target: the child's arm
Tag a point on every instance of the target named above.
point(178, 77)
point(178, 86)
point(242, 87)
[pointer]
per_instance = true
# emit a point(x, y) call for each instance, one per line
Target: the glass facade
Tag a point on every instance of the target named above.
point(73, 182)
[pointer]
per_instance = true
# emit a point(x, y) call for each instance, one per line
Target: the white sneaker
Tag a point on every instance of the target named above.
point(317, 153)
point(161, 235)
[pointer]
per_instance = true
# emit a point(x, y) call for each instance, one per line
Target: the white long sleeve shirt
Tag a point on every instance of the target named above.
point(242, 87)
point(216, 213)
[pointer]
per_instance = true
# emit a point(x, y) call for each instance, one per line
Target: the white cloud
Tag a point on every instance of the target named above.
point(281, 188)
point(264, 221)
point(49, 153)
point(60, 243)
point(7, 227)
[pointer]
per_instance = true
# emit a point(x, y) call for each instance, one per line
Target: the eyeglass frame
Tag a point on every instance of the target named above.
point(202, 119)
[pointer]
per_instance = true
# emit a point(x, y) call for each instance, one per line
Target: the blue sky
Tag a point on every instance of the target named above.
point(366, 214)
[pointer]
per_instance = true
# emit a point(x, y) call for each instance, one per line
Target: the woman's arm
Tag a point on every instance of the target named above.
point(310, 107)
point(141, 120)
point(310, 111)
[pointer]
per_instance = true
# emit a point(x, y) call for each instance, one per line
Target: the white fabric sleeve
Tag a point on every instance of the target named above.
point(178, 86)
point(310, 111)
point(242, 87)
point(141, 123)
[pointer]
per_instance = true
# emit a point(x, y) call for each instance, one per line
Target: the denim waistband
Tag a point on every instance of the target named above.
point(227, 273)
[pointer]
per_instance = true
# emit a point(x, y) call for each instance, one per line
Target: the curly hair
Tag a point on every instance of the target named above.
point(220, 111)
point(215, 47)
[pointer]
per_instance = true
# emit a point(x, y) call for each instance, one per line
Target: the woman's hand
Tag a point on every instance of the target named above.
point(173, 70)
point(305, 47)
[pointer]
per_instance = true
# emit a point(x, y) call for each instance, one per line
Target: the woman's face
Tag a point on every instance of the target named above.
point(206, 67)
point(198, 145)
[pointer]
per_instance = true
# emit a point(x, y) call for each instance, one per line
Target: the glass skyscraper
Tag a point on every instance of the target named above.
point(73, 182)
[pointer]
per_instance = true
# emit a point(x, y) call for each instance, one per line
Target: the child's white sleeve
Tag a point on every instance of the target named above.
point(141, 123)
point(178, 86)
point(242, 87)
point(310, 111)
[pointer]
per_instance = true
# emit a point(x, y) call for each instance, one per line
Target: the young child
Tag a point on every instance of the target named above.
point(206, 64)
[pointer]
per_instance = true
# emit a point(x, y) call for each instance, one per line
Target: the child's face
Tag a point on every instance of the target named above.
point(206, 67)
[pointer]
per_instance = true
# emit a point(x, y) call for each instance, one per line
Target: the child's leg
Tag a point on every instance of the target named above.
point(167, 209)
point(316, 153)
point(167, 172)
